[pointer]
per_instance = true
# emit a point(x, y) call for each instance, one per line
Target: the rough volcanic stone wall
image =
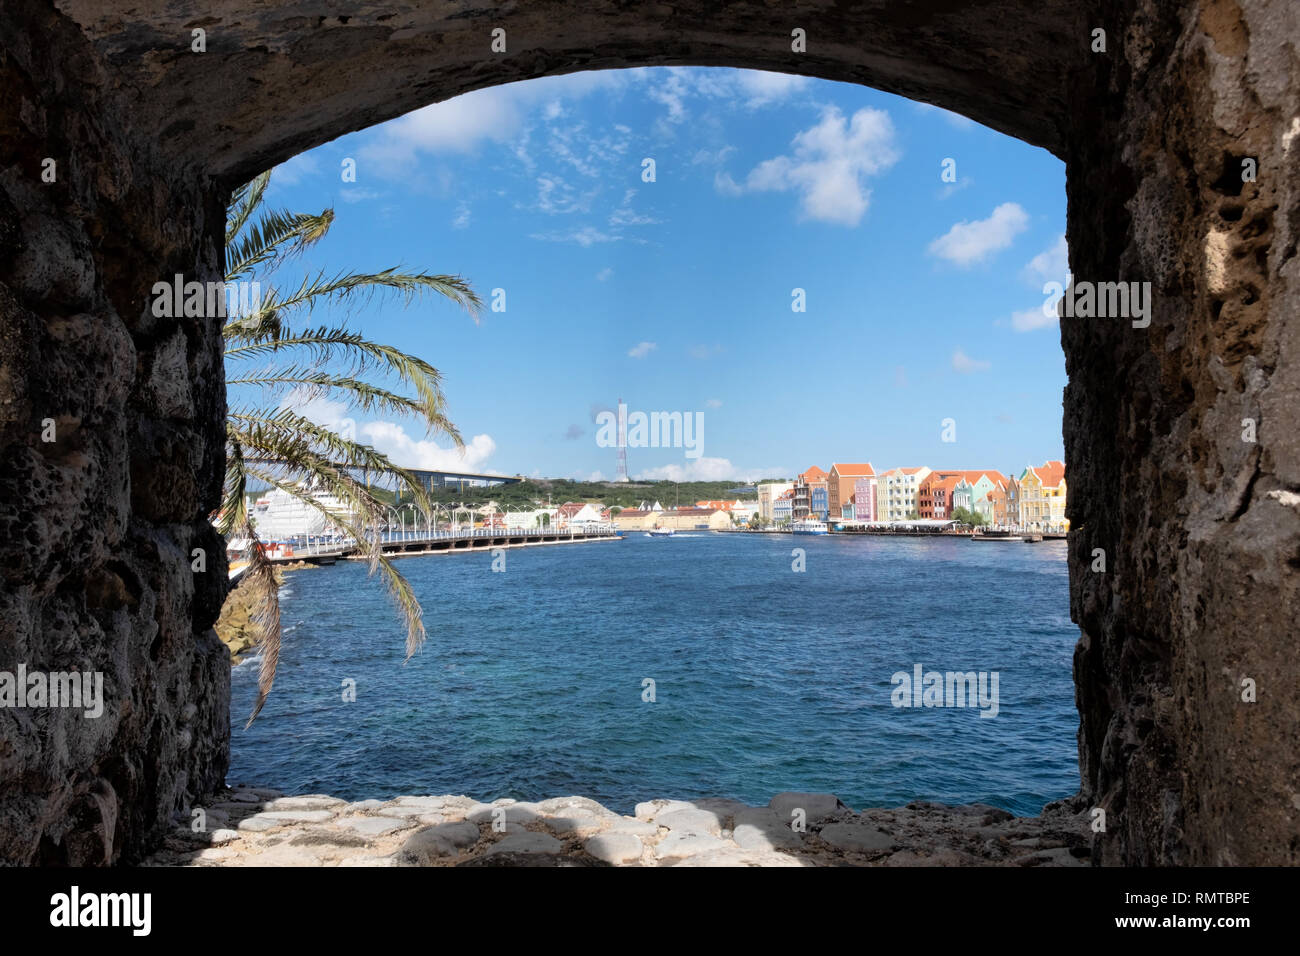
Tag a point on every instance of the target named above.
point(97, 527)
point(1201, 527)
point(1201, 530)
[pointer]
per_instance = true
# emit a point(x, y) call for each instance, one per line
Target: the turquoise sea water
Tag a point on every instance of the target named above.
point(766, 679)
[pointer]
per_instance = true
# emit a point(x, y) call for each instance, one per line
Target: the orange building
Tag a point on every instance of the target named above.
point(840, 482)
point(934, 497)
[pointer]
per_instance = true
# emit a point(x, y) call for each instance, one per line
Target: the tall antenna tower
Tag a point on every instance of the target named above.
point(622, 442)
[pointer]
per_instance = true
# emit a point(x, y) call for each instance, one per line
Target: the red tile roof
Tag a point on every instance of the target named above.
point(854, 471)
point(813, 474)
point(1051, 473)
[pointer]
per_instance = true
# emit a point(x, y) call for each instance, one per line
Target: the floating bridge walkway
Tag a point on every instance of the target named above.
point(396, 544)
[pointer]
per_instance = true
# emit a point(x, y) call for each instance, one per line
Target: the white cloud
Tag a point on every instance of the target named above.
point(462, 216)
point(323, 411)
point(963, 363)
point(724, 184)
point(714, 403)
point(948, 190)
point(1050, 265)
point(585, 237)
point(675, 87)
point(954, 119)
point(458, 125)
point(359, 195)
point(604, 274)
point(707, 469)
point(764, 88)
point(967, 243)
point(625, 216)
point(642, 349)
point(463, 123)
point(295, 170)
point(392, 439)
point(1031, 319)
point(704, 157)
point(828, 166)
point(670, 91)
point(555, 195)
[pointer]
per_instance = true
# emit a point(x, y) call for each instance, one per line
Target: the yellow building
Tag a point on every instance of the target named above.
point(693, 519)
point(1042, 498)
point(630, 519)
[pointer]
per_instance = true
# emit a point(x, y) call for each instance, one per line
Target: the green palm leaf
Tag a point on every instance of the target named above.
point(271, 443)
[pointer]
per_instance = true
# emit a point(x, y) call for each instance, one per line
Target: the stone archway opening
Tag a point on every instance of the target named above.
point(992, 780)
point(122, 130)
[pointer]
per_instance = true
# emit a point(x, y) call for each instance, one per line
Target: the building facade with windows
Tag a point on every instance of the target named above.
point(768, 492)
point(1042, 498)
point(897, 492)
point(810, 495)
point(841, 486)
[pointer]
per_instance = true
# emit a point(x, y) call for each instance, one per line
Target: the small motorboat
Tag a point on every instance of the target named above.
point(659, 533)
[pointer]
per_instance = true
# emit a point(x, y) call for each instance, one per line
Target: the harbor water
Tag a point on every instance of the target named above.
point(724, 665)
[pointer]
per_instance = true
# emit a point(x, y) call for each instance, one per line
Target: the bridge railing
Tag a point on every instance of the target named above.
point(312, 546)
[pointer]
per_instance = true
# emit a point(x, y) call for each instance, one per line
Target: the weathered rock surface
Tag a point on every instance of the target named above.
point(685, 833)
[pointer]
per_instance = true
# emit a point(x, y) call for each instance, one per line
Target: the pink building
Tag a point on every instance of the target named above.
point(864, 498)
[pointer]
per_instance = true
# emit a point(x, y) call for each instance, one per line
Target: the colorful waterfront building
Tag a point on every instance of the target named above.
point(841, 485)
point(1013, 503)
point(934, 496)
point(810, 495)
point(897, 491)
point(994, 508)
point(1042, 498)
point(963, 494)
point(768, 492)
point(864, 498)
point(783, 507)
point(693, 519)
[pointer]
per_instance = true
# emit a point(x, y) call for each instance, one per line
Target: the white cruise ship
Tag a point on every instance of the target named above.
point(278, 515)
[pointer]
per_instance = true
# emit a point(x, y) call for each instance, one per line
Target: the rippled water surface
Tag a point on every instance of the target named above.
point(530, 685)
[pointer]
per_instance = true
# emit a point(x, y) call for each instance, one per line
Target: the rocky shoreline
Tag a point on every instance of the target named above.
point(252, 826)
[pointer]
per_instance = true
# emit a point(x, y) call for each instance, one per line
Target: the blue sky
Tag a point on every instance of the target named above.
point(923, 297)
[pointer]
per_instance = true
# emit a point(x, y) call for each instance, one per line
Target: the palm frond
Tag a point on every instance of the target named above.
point(371, 548)
point(234, 491)
point(265, 616)
point(245, 199)
point(331, 344)
point(276, 237)
point(361, 286)
point(357, 393)
point(291, 456)
point(281, 447)
point(298, 442)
